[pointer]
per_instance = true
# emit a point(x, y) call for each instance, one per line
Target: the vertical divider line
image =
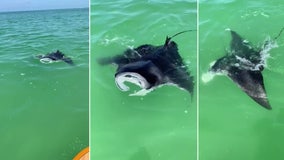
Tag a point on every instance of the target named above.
point(197, 80)
point(90, 78)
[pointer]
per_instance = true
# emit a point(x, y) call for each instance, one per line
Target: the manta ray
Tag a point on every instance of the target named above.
point(243, 64)
point(149, 67)
point(54, 57)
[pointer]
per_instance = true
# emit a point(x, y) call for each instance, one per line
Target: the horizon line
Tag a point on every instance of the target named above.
point(47, 9)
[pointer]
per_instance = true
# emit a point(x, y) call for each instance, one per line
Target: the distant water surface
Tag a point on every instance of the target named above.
point(44, 107)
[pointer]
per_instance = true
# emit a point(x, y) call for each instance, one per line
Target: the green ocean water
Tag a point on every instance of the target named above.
point(44, 107)
point(232, 125)
point(162, 124)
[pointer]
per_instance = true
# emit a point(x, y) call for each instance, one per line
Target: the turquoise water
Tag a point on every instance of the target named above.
point(44, 107)
point(232, 125)
point(162, 124)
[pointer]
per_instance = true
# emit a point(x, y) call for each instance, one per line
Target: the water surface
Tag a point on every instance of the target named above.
point(44, 107)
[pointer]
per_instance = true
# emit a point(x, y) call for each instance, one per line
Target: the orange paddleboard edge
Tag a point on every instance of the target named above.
point(83, 154)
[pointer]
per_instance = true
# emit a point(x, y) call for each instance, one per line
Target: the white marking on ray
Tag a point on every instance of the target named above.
point(131, 77)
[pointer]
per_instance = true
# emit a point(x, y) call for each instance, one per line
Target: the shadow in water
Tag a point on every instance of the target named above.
point(141, 154)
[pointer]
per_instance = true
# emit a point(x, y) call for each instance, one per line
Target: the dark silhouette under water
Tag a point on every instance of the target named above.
point(54, 57)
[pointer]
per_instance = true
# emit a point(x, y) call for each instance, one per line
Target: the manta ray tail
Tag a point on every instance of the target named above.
point(168, 39)
point(279, 34)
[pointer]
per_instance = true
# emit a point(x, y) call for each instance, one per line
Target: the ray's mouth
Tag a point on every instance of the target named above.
point(131, 77)
point(46, 60)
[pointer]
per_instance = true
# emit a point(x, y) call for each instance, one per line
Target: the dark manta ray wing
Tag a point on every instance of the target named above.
point(129, 56)
point(55, 55)
point(182, 79)
point(119, 60)
point(251, 82)
point(176, 70)
point(171, 50)
point(68, 60)
point(240, 47)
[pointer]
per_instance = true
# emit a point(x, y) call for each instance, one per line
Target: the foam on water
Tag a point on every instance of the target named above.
point(208, 76)
point(121, 40)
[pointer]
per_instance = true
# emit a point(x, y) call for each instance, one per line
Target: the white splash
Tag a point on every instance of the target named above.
point(121, 40)
point(266, 47)
point(212, 63)
point(208, 76)
point(247, 64)
point(142, 92)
